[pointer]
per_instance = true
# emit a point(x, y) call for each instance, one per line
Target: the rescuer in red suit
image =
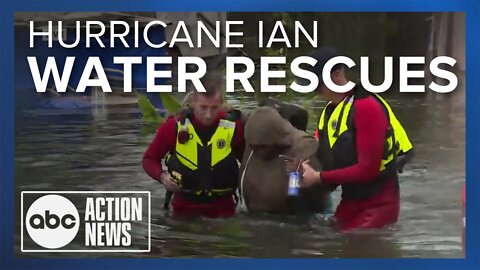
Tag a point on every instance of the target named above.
point(362, 146)
point(201, 147)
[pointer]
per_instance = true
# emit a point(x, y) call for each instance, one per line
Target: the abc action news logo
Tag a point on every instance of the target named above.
point(78, 221)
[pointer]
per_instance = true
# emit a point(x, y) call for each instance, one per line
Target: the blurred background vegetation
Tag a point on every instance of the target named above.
point(354, 34)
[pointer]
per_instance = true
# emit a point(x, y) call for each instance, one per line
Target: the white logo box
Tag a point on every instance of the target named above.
point(86, 250)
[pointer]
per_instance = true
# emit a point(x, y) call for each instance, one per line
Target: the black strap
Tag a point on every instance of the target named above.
point(189, 161)
point(168, 198)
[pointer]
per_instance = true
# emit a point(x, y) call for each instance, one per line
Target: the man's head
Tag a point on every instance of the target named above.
point(337, 74)
point(207, 105)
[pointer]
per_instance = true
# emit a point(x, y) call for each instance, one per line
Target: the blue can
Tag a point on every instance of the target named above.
point(293, 183)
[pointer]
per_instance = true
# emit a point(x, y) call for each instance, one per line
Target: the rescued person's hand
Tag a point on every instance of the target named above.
point(169, 184)
point(291, 164)
point(310, 176)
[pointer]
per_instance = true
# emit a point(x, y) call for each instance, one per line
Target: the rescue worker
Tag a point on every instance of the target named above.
point(201, 147)
point(360, 144)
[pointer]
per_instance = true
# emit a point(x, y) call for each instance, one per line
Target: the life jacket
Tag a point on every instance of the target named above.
point(205, 171)
point(337, 144)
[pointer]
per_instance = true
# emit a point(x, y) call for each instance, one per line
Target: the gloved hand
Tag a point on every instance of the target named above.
point(169, 183)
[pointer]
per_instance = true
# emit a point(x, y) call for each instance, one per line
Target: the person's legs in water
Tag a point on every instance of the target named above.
point(378, 211)
point(219, 208)
point(372, 218)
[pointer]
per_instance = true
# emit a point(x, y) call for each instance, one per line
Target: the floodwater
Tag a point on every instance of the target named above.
point(102, 150)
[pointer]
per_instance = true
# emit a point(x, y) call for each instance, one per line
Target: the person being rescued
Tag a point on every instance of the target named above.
point(274, 130)
point(201, 146)
point(362, 145)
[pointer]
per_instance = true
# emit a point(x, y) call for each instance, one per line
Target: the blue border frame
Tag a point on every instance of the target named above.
point(472, 9)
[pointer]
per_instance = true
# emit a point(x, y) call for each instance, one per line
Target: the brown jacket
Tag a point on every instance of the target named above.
point(265, 182)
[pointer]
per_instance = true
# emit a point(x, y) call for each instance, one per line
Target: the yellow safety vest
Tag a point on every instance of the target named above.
point(338, 143)
point(220, 144)
point(396, 141)
point(208, 170)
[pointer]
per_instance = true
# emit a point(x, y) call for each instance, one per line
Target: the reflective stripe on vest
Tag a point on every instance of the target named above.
point(187, 153)
point(333, 122)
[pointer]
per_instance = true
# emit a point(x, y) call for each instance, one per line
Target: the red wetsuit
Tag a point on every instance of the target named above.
point(164, 142)
point(370, 123)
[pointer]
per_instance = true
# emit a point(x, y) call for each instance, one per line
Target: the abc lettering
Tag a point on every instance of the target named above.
point(52, 221)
